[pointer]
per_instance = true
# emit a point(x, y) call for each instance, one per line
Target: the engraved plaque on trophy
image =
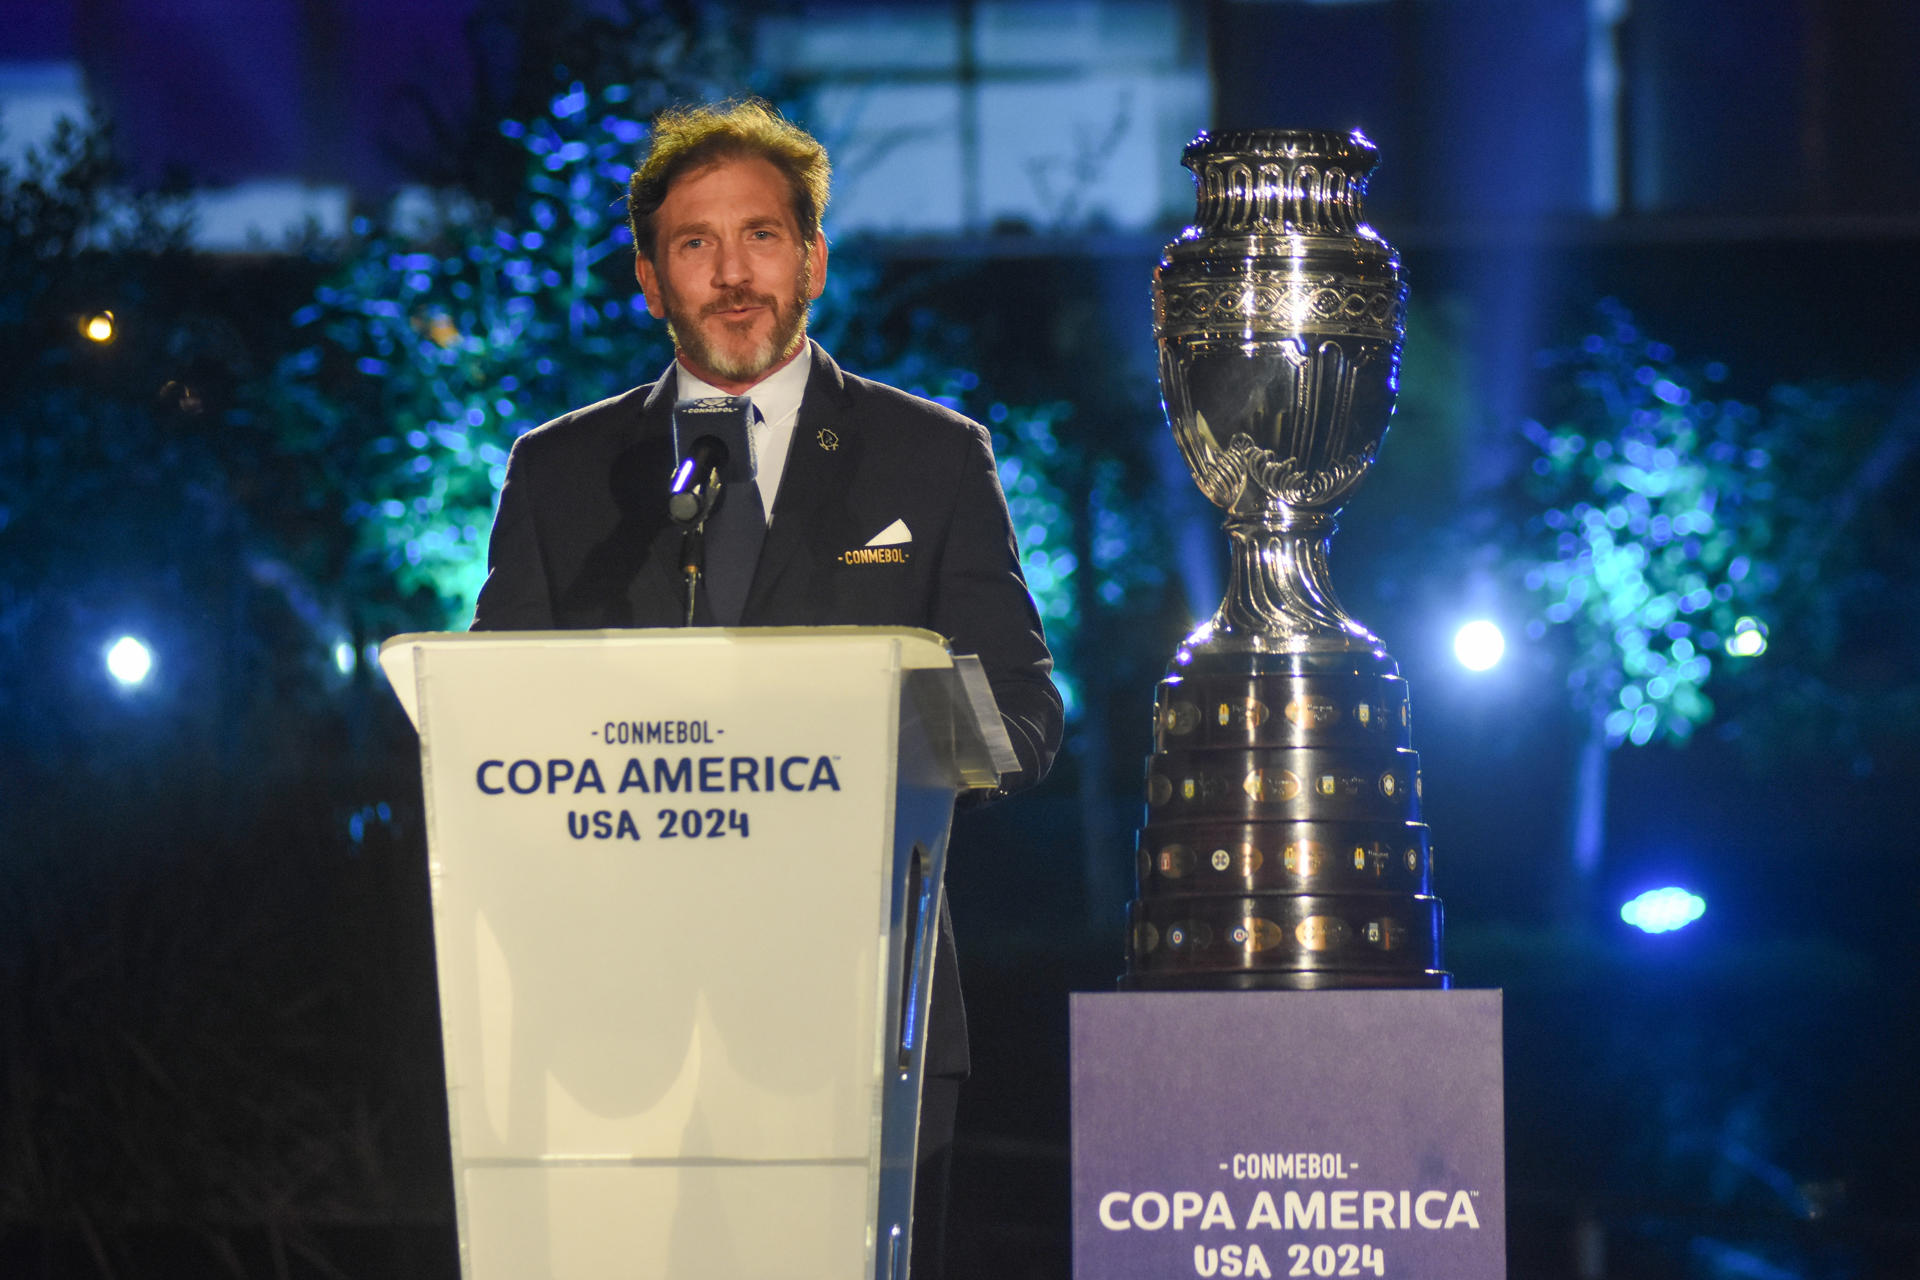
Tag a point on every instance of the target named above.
point(1283, 845)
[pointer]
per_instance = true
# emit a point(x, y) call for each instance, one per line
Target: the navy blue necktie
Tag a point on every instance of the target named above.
point(735, 531)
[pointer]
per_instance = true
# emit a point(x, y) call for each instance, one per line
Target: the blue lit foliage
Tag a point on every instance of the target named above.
point(1038, 474)
point(1658, 503)
point(1025, 446)
point(461, 334)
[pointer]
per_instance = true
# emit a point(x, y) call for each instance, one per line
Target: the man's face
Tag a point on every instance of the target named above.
point(729, 272)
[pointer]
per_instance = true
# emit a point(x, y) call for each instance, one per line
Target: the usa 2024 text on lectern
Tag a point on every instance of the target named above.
point(686, 887)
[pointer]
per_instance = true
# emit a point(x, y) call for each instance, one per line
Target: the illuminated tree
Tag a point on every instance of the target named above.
point(435, 345)
point(1649, 556)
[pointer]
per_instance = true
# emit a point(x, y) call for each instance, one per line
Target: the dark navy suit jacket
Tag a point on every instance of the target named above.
point(583, 540)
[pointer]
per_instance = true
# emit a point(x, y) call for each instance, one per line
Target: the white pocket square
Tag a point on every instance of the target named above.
point(891, 536)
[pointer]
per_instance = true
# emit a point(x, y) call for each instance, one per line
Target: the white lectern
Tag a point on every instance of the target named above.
point(685, 893)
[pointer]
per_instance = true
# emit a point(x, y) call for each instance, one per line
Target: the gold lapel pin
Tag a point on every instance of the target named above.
point(827, 439)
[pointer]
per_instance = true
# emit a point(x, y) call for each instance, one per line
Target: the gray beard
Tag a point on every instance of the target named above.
point(765, 355)
point(790, 330)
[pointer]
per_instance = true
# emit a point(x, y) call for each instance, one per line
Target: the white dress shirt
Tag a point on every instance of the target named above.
point(777, 396)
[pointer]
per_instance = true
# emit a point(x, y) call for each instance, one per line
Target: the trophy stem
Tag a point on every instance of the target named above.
point(1280, 592)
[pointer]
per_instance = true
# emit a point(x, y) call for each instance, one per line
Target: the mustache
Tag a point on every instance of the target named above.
point(740, 298)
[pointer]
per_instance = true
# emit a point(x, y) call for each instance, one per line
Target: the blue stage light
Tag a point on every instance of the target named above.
point(1664, 910)
point(1479, 645)
point(129, 661)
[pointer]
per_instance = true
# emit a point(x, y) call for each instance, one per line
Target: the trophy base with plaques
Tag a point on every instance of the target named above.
point(1283, 847)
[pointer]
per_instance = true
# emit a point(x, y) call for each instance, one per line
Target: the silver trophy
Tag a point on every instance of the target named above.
point(1283, 845)
point(1279, 315)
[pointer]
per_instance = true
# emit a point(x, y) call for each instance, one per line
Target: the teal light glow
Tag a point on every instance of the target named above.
point(1749, 639)
point(1664, 910)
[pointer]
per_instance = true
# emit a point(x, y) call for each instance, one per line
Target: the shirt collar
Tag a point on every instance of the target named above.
point(777, 396)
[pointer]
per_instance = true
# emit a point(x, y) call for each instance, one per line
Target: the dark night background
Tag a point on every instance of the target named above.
point(219, 1049)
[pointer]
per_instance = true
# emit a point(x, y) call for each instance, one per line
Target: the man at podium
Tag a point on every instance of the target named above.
point(868, 506)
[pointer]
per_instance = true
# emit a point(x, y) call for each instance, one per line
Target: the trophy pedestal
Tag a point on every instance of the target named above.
point(1283, 847)
point(1332, 1133)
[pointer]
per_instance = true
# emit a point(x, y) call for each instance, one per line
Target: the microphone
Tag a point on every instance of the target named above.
point(712, 447)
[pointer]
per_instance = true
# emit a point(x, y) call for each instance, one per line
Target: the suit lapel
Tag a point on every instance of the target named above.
point(813, 475)
point(655, 593)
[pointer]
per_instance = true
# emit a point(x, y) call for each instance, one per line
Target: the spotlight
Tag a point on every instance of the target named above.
point(1663, 910)
point(343, 658)
point(129, 661)
point(1479, 645)
point(1749, 638)
point(98, 327)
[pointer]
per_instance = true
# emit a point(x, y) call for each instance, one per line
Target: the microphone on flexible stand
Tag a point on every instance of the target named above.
point(693, 551)
point(712, 449)
point(696, 481)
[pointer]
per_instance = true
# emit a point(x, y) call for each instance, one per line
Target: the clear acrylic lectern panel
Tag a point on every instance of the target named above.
point(675, 916)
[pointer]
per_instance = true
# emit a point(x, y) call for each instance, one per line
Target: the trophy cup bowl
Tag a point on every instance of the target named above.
point(1279, 316)
point(1283, 844)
